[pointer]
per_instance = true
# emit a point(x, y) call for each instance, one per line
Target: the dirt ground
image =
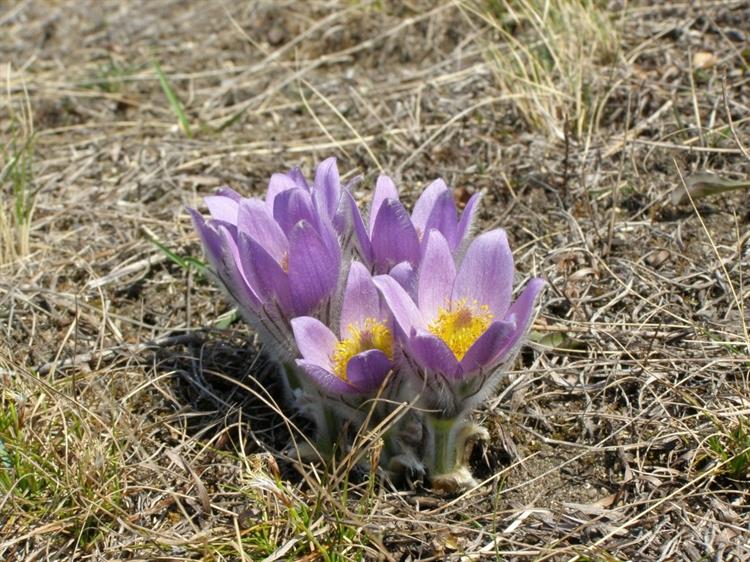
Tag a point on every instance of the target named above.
point(137, 422)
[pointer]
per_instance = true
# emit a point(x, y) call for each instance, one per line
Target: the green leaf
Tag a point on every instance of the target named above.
point(173, 100)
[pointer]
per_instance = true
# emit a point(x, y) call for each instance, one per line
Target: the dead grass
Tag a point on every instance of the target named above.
point(135, 422)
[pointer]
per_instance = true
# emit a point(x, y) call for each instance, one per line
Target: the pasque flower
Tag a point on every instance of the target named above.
point(458, 335)
point(463, 322)
point(435, 328)
point(282, 255)
point(392, 236)
point(358, 360)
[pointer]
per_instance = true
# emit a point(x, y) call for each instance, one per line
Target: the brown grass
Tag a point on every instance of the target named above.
point(135, 424)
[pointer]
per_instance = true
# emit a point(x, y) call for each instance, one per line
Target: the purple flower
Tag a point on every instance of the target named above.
point(282, 255)
point(358, 360)
point(463, 322)
point(325, 193)
point(393, 236)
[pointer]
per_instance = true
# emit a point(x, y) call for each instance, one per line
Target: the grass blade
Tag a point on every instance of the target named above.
point(174, 101)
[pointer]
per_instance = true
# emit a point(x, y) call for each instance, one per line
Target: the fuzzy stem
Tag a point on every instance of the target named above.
point(290, 372)
point(327, 428)
point(443, 455)
point(313, 406)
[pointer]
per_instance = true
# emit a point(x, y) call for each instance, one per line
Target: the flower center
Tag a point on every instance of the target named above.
point(460, 324)
point(372, 335)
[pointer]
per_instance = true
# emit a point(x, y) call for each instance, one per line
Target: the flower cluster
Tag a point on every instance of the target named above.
point(390, 316)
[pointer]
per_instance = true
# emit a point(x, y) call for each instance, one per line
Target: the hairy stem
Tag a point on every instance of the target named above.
point(443, 455)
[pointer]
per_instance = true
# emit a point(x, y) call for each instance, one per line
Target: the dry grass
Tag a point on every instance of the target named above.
point(552, 58)
point(137, 421)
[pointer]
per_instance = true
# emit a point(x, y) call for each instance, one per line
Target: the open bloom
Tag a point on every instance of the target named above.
point(462, 322)
point(280, 256)
point(392, 236)
point(358, 360)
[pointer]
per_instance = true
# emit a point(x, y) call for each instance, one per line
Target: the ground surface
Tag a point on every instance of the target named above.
point(135, 425)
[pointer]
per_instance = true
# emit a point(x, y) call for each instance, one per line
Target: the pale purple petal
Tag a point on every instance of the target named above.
point(330, 239)
point(256, 221)
point(431, 353)
point(299, 178)
point(352, 183)
point(277, 184)
point(325, 379)
point(437, 273)
point(361, 237)
point(488, 346)
point(361, 299)
point(467, 218)
point(232, 274)
point(222, 208)
point(343, 219)
point(486, 273)
point(521, 312)
point(405, 312)
point(292, 206)
point(393, 237)
point(327, 187)
point(226, 191)
point(209, 240)
point(425, 204)
point(443, 217)
point(406, 276)
point(384, 189)
point(366, 371)
point(523, 308)
point(264, 274)
point(316, 343)
point(313, 272)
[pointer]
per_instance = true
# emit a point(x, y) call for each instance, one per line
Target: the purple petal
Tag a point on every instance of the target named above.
point(467, 219)
point(313, 271)
point(425, 204)
point(292, 206)
point(362, 238)
point(316, 343)
point(255, 221)
point(433, 354)
point(352, 183)
point(232, 274)
point(437, 273)
point(384, 189)
point(209, 240)
point(393, 237)
point(277, 184)
point(488, 346)
point(366, 371)
point(443, 217)
point(404, 273)
point(404, 311)
point(521, 312)
point(222, 208)
point(328, 381)
point(226, 191)
point(361, 299)
point(264, 274)
point(299, 178)
point(330, 239)
point(327, 187)
point(343, 219)
point(486, 273)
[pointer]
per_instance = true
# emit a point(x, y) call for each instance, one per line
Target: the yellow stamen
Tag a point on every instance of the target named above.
point(285, 262)
point(372, 335)
point(461, 324)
